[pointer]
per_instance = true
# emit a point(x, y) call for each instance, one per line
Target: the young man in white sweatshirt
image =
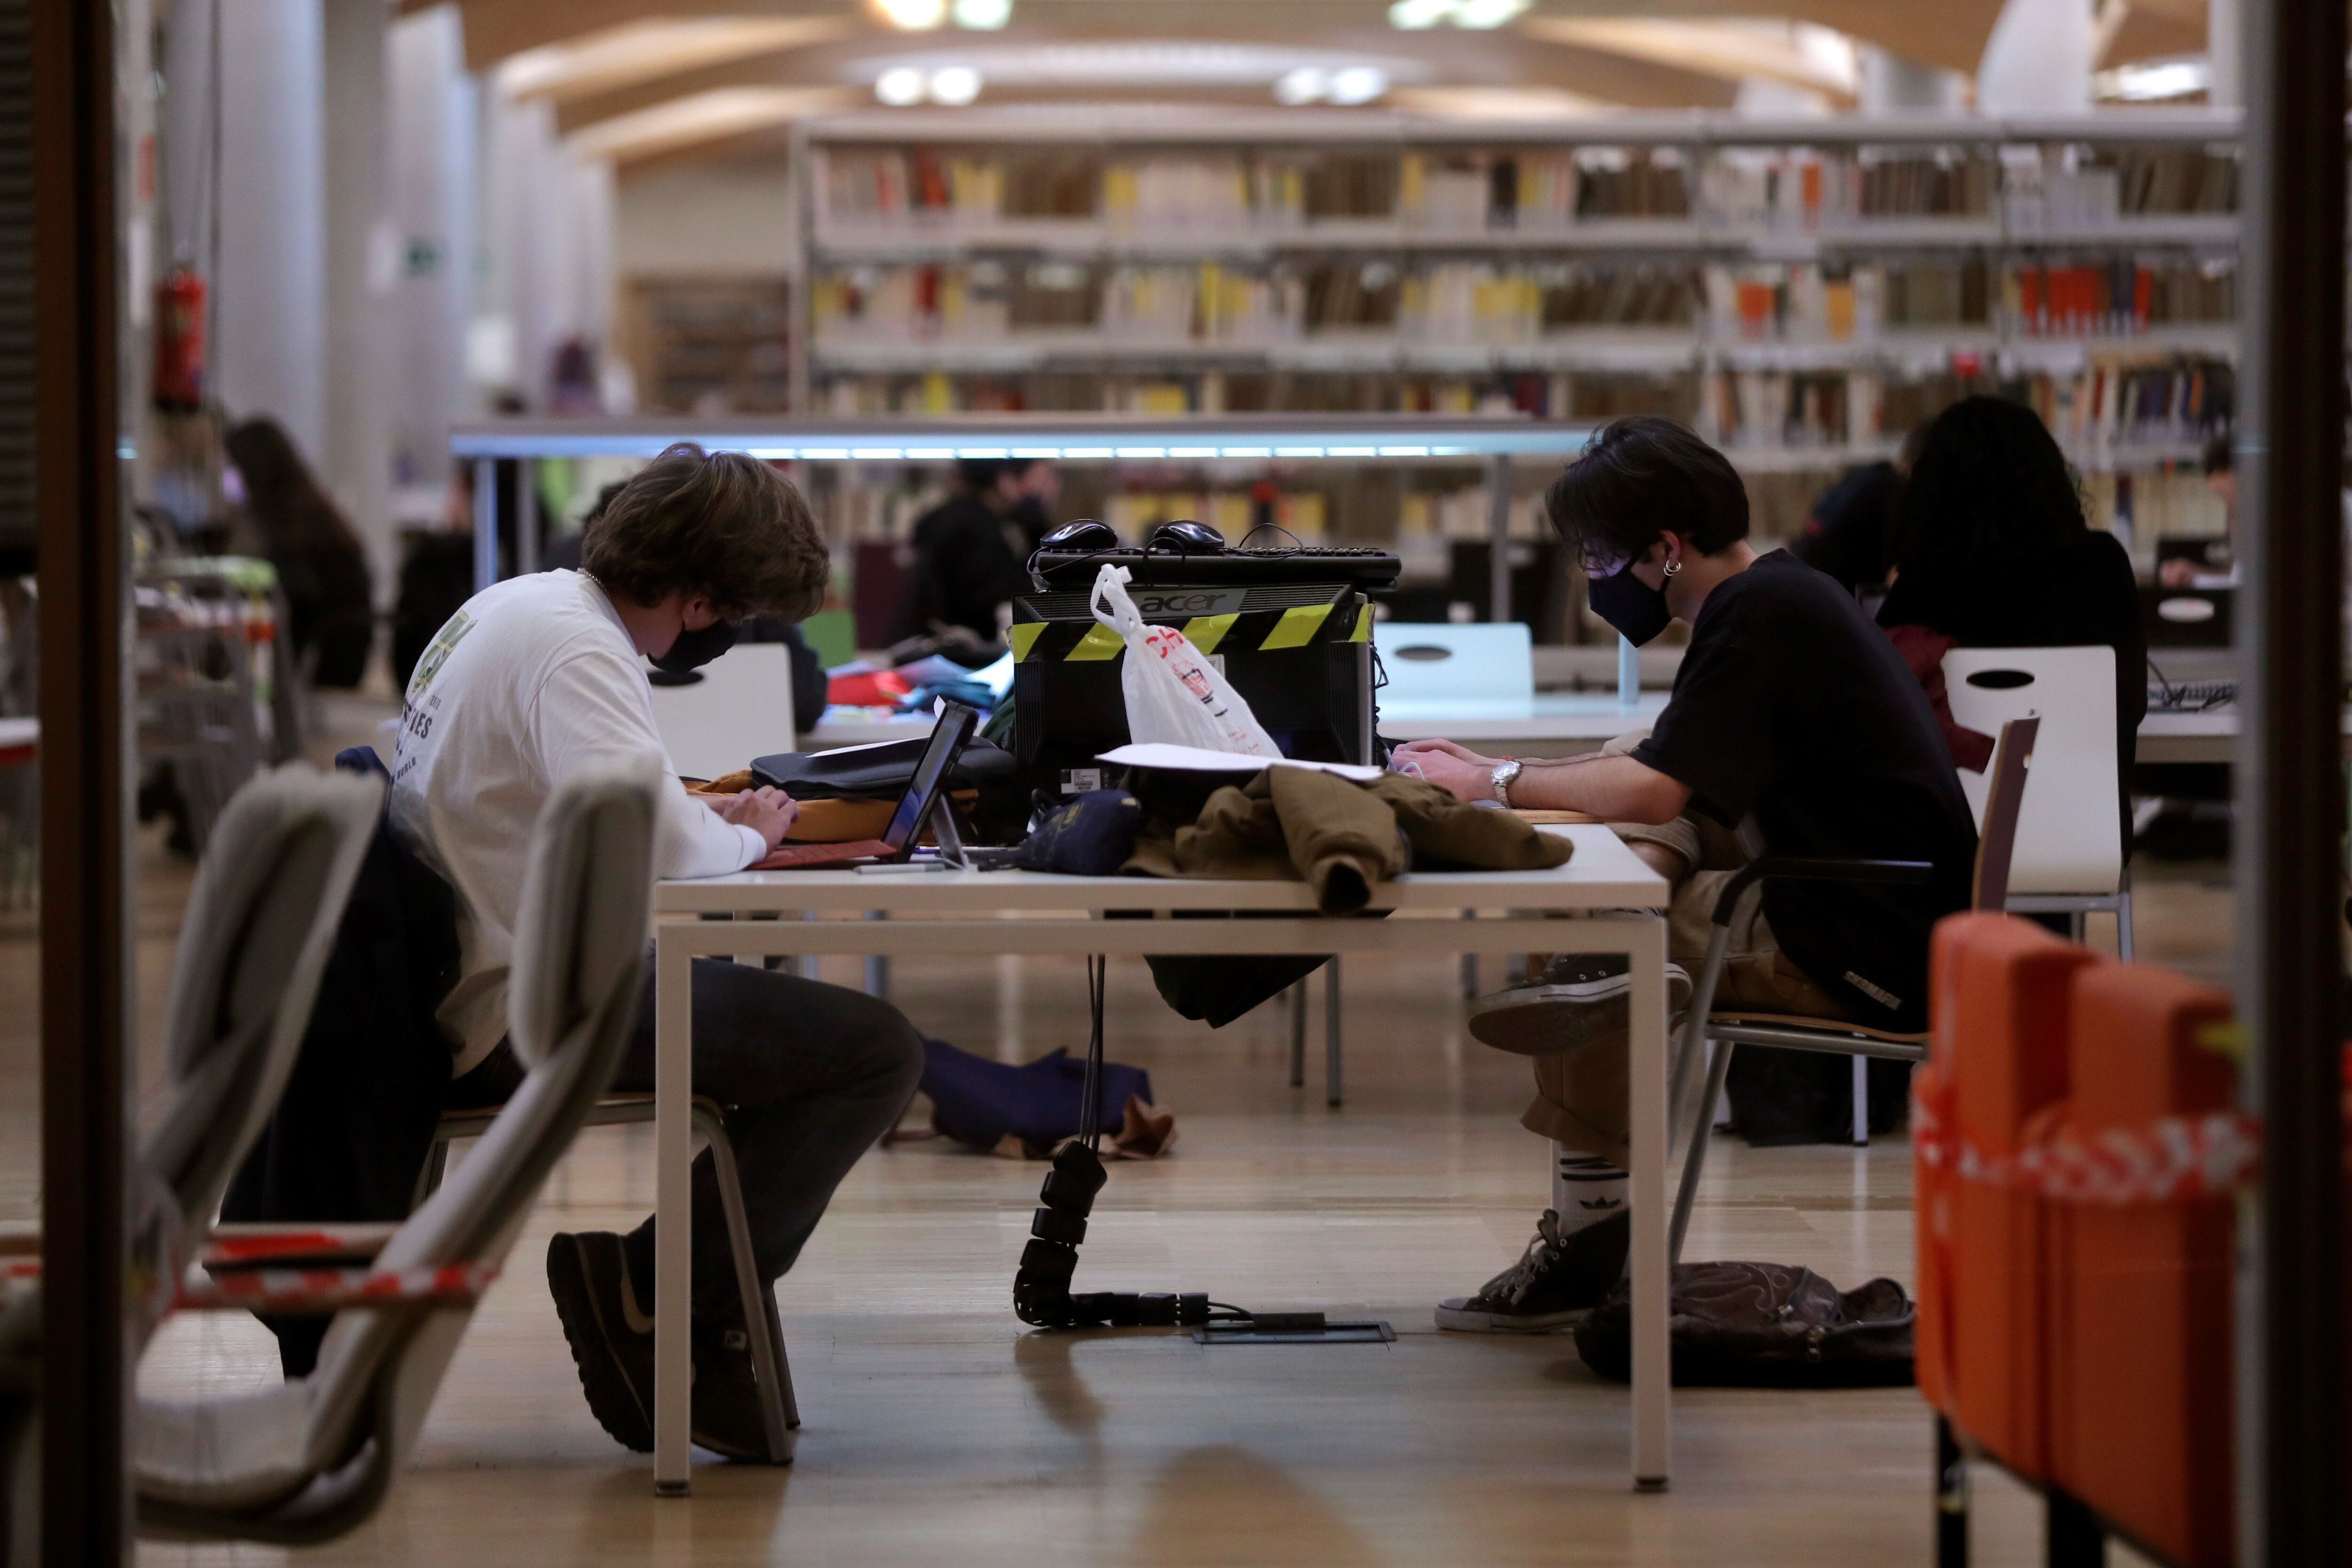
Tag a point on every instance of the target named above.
point(526, 682)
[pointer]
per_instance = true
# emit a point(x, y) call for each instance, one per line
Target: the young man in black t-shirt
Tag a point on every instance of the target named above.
point(1794, 727)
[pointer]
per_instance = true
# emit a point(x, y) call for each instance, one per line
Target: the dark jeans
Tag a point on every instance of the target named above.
point(810, 1075)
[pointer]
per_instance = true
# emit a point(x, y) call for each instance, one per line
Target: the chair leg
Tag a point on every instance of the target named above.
point(778, 1409)
point(1298, 1034)
point(1702, 1129)
point(1331, 1033)
point(1861, 1102)
point(2124, 922)
point(2071, 1536)
point(1469, 966)
point(428, 1179)
point(1951, 1498)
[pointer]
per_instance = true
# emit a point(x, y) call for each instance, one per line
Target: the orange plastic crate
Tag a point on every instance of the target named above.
point(1998, 1057)
point(2140, 1398)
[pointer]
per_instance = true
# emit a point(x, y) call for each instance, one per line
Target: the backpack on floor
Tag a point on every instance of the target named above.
point(979, 1102)
point(1763, 1325)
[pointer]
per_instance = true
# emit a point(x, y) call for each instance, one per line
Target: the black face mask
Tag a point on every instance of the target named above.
point(1637, 610)
point(695, 649)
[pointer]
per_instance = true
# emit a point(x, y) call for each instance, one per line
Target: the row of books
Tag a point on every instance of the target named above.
point(1472, 190)
point(2103, 408)
point(1483, 302)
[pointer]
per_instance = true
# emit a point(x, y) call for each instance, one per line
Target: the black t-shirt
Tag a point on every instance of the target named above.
point(1790, 705)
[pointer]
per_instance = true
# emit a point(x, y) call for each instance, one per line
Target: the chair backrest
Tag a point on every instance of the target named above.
point(2011, 775)
point(2070, 835)
point(268, 896)
point(579, 935)
point(741, 708)
point(1436, 669)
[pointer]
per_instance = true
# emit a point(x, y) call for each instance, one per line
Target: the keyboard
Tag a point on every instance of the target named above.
point(1075, 569)
point(2190, 696)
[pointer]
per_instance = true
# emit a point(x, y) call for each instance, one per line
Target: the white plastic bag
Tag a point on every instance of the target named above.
point(1173, 693)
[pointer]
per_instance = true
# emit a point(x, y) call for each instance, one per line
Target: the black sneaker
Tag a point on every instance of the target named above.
point(1582, 997)
point(1557, 1281)
point(728, 1419)
point(612, 1338)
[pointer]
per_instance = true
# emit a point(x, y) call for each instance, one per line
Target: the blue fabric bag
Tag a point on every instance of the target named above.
point(975, 1101)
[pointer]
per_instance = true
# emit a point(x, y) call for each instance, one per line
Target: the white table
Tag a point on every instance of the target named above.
point(2207, 737)
point(966, 912)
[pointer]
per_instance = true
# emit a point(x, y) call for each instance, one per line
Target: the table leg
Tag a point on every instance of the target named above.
point(1646, 956)
point(673, 1208)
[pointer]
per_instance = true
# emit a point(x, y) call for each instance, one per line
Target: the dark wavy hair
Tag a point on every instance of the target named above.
point(1989, 490)
point(720, 524)
point(1638, 477)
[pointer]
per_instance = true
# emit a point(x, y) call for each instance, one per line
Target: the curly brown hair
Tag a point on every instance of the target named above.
point(720, 524)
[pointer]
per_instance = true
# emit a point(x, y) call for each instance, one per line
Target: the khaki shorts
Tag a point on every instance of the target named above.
point(1581, 1095)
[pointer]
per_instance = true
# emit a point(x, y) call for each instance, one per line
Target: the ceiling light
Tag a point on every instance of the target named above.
point(1412, 16)
point(1487, 13)
point(1304, 84)
point(899, 86)
point(1357, 84)
point(955, 85)
point(913, 15)
point(985, 16)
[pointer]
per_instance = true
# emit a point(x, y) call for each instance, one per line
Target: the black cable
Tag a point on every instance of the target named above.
point(1090, 1110)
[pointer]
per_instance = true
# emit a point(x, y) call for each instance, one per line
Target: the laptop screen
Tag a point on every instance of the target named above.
point(956, 724)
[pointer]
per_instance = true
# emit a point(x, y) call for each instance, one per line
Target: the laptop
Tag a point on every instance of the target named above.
point(924, 789)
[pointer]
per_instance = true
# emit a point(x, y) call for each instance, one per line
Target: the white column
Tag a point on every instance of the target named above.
point(361, 269)
point(270, 356)
point(433, 118)
point(2037, 60)
point(2225, 50)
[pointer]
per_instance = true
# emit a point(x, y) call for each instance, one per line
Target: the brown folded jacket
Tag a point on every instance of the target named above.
point(1339, 837)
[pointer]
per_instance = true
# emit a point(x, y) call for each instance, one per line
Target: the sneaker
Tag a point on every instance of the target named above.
point(1580, 998)
point(612, 1338)
point(728, 1419)
point(1557, 1281)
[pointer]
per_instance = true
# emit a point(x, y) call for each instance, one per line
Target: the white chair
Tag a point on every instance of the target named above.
point(2070, 846)
point(310, 1459)
point(260, 922)
point(740, 708)
point(1437, 670)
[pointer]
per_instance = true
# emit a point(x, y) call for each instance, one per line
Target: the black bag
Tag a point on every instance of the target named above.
point(1763, 1325)
point(883, 772)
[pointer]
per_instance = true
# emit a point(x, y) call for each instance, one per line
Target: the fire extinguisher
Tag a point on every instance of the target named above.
point(180, 341)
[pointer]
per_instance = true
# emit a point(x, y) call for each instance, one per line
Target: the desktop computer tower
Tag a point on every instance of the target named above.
point(1300, 653)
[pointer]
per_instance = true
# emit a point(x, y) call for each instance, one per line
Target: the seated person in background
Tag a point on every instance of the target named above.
point(1992, 551)
point(970, 550)
point(1849, 531)
point(533, 677)
point(1794, 728)
point(321, 564)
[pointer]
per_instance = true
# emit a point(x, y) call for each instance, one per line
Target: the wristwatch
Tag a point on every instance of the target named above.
point(1501, 780)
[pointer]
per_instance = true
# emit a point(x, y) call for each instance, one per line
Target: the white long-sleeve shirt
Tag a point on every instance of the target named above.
point(533, 677)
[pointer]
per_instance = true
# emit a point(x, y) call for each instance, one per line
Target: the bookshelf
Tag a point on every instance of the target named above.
point(1801, 291)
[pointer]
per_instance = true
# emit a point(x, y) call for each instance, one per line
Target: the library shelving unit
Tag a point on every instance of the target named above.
point(1801, 291)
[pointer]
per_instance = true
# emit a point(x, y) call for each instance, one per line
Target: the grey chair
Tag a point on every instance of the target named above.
point(1996, 840)
point(310, 1459)
point(260, 921)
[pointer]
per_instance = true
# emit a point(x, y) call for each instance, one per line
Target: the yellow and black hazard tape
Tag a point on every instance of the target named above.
point(1257, 631)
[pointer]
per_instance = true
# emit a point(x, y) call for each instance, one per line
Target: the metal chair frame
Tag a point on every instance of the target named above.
point(780, 1412)
point(1994, 846)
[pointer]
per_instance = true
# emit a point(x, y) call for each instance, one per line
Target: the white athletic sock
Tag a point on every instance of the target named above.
point(1585, 1188)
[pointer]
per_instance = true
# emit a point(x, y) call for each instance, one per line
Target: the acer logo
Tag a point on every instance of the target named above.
point(1190, 602)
